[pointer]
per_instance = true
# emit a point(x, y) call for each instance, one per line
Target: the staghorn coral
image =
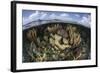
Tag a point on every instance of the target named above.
point(56, 43)
point(74, 35)
point(31, 34)
point(53, 29)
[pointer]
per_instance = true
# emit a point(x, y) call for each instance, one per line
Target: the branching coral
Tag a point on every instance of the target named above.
point(74, 36)
point(56, 43)
point(31, 34)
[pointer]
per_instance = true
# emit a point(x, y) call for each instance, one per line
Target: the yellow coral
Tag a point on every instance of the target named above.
point(31, 35)
point(52, 42)
point(65, 41)
point(55, 42)
point(61, 46)
point(74, 35)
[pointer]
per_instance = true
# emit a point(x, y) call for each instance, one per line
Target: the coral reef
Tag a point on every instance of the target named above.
point(56, 42)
